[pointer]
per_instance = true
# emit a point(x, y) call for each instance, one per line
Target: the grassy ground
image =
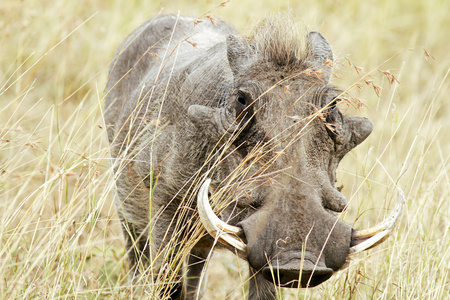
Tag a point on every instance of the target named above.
point(60, 237)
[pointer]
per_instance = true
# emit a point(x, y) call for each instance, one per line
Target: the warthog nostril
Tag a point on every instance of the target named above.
point(285, 277)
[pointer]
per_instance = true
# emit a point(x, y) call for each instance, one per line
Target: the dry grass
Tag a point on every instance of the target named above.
point(60, 237)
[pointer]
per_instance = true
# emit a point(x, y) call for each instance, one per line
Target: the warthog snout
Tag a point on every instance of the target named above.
point(291, 248)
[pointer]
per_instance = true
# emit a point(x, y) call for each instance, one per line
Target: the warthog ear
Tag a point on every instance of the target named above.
point(320, 54)
point(212, 122)
point(238, 53)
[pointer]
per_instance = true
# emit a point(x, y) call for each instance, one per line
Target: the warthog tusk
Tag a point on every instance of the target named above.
point(365, 239)
point(218, 229)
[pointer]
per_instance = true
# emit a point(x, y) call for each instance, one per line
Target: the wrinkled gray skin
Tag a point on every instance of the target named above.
point(167, 120)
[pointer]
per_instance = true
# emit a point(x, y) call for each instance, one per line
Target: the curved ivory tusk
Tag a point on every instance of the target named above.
point(365, 239)
point(218, 229)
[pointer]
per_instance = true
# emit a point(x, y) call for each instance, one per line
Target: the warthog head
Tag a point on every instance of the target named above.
point(284, 125)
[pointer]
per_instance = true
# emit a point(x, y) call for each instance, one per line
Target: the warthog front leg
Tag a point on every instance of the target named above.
point(260, 288)
point(137, 248)
point(195, 280)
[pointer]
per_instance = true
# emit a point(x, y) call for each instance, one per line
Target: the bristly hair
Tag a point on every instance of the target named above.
point(278, 40)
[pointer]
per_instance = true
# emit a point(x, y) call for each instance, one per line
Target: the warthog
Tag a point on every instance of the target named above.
point(255, 119)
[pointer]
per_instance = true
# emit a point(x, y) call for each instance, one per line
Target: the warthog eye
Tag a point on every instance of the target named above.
point(242, 106)
point(241, 98)
point(334, 120)
point(333, 104)
point(332, 107)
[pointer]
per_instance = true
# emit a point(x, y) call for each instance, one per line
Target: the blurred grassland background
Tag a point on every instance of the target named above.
point(59, 234)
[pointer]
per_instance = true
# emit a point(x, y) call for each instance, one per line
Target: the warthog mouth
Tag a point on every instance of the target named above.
point(293, 270)
point(291, 278)
point(306, 271)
